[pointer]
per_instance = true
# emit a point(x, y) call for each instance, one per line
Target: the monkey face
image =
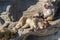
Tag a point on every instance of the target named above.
point(42, 24)
point(48, 5)
point(48, 10)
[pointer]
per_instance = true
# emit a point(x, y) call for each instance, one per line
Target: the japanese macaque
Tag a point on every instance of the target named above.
point(30, 22)
point(48, 11)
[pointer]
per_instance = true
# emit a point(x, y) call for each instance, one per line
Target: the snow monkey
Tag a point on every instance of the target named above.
point(48, 11)
point(48, 14)
point(29, 21)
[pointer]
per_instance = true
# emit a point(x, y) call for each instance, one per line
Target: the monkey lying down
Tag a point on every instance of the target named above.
point(31, 22)
point(35, 21)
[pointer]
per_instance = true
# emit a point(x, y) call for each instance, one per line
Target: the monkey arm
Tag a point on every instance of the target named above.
point(55, 23)
point(29, 23)
point(50, 18)
point(31, 28)
point(25, 26)
point(21, 22)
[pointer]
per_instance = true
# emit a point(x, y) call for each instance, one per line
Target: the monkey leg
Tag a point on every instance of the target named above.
point(29, 23)
point(29, 29)
point(21, 22)
point(33, 25)
point(50, 18)
point(25, 26)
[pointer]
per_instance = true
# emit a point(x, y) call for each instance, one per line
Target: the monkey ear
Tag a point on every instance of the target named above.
point(45, 6)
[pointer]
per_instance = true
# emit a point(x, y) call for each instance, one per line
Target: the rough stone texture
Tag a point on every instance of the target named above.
point(50, 37)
